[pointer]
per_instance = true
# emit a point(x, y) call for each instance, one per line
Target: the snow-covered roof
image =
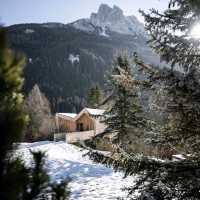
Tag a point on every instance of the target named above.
point(71, 115)
point(92, 111)
point(74, 116)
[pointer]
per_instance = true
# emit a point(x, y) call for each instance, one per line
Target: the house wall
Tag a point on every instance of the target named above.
point(86, 121)
point(65, 125)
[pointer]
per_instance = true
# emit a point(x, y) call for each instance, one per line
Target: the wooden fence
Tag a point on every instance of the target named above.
point(79, 136)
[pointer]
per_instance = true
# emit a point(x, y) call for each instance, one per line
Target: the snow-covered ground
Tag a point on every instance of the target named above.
point(90, 181)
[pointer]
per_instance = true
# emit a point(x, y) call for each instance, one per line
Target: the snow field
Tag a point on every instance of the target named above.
point(89, 180)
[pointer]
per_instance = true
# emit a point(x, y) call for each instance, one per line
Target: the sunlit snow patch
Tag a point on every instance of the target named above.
point(73, 58)
point(30, 60)
point(29, 31)
point(103, 33)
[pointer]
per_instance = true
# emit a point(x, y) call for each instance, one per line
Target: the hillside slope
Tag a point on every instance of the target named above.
point(66, 61)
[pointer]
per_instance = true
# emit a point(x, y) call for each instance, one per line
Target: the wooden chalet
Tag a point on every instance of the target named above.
point(81, 126)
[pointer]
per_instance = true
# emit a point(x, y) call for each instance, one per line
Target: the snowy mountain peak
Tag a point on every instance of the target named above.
point(104, 8)
point(110, 19)
point(107, 15)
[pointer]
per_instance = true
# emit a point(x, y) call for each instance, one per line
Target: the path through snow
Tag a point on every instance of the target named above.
point(89, 180)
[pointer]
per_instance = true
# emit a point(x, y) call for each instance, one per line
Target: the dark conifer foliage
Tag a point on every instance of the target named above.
point(60, 191)
point(17, 181)
point(178, 96)
point(94, 97)
point(38, 181)
point(12, 119)
point(64, 83)
point(123, 115)
point(170, 32)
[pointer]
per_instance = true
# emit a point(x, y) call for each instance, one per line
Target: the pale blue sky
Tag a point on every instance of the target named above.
point(64, 11)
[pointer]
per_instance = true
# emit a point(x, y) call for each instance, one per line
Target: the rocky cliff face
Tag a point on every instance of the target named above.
point(110, 19)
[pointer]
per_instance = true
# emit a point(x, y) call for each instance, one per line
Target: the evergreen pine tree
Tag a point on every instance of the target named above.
point(16, 180)
point(94, 97)
point(170, 179)
point(12, 120)
point(60, 191)
point(123, 115)
point(98, 94)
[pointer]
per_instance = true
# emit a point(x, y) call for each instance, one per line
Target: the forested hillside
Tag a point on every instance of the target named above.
point(66, 62)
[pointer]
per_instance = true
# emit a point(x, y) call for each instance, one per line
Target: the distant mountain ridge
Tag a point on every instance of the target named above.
point(66, 60)
point(110, 19)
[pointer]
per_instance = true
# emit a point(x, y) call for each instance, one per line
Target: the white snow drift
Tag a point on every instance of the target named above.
point(89, 180)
